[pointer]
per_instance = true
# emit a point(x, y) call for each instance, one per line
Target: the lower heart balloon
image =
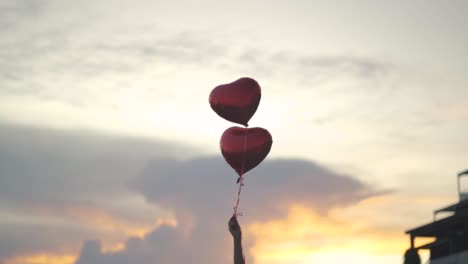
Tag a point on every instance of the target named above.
point(245, 148)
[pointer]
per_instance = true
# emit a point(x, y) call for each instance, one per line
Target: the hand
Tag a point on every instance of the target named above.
point(235, 228)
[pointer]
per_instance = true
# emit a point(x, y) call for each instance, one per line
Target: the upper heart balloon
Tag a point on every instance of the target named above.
point(244, 148)
point(236, 101)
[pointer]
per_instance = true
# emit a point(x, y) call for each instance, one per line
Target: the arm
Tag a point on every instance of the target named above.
point(236, 233)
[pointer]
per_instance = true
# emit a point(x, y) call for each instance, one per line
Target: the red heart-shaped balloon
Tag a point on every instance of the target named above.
point(236, 101)
point(244, 148)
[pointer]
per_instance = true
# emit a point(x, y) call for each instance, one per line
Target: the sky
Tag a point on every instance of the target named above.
point(109, 150)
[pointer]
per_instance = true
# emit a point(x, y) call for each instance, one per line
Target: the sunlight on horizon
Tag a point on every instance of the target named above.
point(42, 258)
point(308, 237)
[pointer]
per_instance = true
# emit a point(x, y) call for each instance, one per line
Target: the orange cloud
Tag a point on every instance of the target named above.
point(42, 258)
point(102, 221)
point(111, 228)
point(106, 221)
point(114, 230)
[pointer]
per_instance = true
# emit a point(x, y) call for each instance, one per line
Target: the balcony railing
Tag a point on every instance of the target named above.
point(459, 258)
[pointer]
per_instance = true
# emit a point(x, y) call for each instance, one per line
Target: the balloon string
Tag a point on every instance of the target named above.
point(241, 177)
point(238, 196)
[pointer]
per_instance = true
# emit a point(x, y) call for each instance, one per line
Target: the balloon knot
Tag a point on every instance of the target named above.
point(236, 214)
point(240, 181)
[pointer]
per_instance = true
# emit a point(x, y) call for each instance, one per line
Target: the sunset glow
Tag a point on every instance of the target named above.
point(306, 236)
point(42, 259)
point(110, 150)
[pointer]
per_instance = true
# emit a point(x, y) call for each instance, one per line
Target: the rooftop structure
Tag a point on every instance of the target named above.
point(450, 233)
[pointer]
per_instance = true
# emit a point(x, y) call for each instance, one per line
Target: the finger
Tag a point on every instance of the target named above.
point(233, 219)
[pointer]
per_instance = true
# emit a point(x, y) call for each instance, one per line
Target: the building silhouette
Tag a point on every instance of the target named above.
point(450, 233)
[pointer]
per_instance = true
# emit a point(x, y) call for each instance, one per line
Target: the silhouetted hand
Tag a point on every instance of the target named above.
point(236, 233)
point(235, 228)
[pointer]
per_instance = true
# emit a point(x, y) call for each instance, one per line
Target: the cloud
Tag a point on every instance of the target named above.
point(57, 62)
point(42, 259)
point(285, 180)
point(47, 165)
point(63, 187)
point(201, 193)
point(14, 12)
point(311, 68)
point(32, 235)
point(57, 49)
point(340, 86)
point(66, 187)
point(161, 246)
point(364, 67)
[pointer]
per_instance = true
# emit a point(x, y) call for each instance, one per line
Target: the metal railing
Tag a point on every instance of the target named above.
point(458, 258)
point(461, 195)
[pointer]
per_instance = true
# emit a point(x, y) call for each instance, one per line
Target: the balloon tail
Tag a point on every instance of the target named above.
point(240, 181)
